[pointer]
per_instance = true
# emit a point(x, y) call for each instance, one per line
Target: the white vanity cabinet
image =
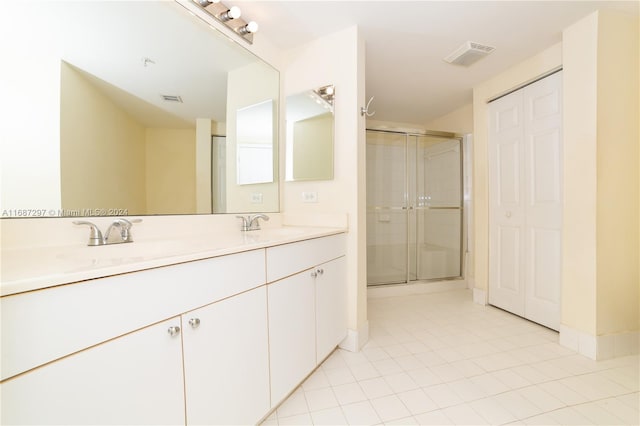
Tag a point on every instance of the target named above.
point(226, 360)
point(212, 341)
point(89, 352)
point(307, 308)
point(134, 379)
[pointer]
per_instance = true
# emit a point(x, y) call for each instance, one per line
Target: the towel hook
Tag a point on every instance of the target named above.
point(365, 110)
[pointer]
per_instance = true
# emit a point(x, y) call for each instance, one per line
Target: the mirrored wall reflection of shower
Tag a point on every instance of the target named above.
point(414, 207)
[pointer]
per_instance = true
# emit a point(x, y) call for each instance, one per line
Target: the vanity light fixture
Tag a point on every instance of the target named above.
point(230, 17)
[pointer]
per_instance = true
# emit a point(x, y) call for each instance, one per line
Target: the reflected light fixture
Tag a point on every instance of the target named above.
point(325, 96)
point(230, 17)
point(327, 93)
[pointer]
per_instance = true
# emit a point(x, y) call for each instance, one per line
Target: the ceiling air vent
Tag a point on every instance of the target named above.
point(468, 53)
point(171, 98)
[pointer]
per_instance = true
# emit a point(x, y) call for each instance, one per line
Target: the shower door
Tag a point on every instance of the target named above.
point(414, 207)
point(437, 208)
point(387, 221)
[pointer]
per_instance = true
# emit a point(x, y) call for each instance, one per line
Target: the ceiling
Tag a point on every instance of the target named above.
point(406, 41)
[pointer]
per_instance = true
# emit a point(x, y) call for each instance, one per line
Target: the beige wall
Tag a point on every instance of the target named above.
point(456, 121)
point(617, 210)
point(102, 150)
point(170, 171)
point(580, 144)
point(337, 59)
point(313, 147)
point(600, 274)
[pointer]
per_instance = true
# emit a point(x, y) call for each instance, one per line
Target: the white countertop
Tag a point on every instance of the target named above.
point(36, 268)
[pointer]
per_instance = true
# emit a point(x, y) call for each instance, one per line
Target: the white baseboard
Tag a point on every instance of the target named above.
point(599, 347)
point(479, 296)
point(374, 292)
point(355, 340)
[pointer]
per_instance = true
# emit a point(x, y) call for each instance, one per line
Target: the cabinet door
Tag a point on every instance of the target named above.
point(134, 379)
point(331, 306)
point(292, 339)
point(226, 360)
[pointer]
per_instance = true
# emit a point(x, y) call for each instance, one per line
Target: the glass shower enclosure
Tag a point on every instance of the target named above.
point(414, 207)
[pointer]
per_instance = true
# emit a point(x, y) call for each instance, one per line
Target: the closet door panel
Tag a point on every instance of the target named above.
point(543, 276)
point(506, 201)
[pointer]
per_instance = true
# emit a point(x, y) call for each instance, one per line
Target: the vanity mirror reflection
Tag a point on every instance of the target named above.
point(310, 134)
point(131, 108)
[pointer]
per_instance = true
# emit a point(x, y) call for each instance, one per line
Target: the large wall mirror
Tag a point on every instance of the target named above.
point(135, 108)
point(310, 134)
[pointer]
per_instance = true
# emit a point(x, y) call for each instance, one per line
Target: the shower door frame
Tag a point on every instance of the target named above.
point(408, 207)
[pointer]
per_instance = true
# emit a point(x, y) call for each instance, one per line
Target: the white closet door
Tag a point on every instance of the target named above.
point(525, 201)
point(506, 216)
point(543, 272)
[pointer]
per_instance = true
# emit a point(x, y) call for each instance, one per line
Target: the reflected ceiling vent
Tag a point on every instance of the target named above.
point(171, 98)
point(468, 53)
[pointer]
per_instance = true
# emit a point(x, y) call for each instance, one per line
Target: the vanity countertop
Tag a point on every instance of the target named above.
point(36, 268)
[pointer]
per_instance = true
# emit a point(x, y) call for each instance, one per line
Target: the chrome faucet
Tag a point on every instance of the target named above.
point(96, 238)
point(251, 223)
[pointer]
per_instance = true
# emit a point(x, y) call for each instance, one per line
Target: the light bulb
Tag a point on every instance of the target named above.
point(251, 27)
point(329, 90)
point(233, 13)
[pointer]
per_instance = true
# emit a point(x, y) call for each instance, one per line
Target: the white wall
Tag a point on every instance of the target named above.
point(30, 127)
point(337, 59)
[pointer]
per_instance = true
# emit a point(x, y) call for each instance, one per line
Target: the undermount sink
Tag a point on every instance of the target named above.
point(283, 232)
point(120, 253)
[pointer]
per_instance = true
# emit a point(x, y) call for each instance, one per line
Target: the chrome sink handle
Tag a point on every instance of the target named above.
point(95, 237)
point(254, 224)
point(125, 229)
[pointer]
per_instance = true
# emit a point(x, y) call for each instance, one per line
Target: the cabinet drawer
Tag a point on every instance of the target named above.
point(289, 259)
point(41, 326)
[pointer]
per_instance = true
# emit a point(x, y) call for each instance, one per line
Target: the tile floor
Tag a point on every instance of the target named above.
point(441, 359)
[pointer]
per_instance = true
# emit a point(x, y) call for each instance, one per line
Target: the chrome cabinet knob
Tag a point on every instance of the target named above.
point(314, 274)
point(194, 322)
point(320, 271)
point(174, 331)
